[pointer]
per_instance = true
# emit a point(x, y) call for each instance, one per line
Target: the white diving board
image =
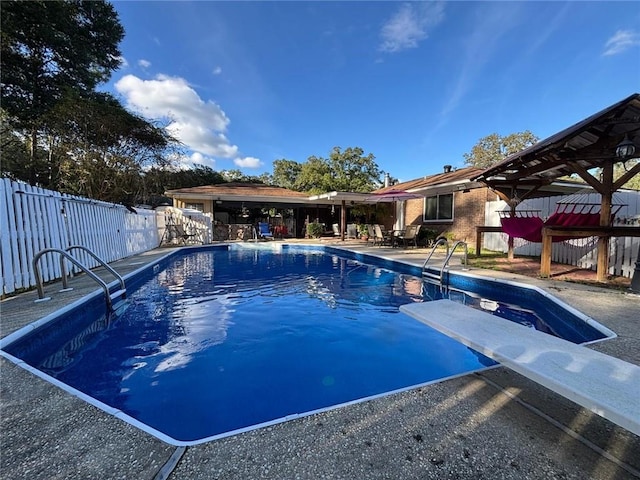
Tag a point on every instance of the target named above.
point(603, 384)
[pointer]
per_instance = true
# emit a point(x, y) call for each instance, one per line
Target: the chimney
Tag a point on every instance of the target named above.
point(447, 169)
point(387, 180)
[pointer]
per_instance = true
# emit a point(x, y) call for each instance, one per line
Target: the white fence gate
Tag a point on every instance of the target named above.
point(32, 219)
point(581, 252)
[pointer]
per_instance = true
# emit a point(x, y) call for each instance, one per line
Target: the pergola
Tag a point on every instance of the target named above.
point(600, 141)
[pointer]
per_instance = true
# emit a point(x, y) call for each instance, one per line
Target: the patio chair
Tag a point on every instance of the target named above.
point(379, 236)
point(372, 233)
point(181, 234)
point(376, 235)
point(410, 235)
point(336, 230)
point(264, 231)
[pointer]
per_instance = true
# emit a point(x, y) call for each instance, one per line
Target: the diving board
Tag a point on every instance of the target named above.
point(603, 384)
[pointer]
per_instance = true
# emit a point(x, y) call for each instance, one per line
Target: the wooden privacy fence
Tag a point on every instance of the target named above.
point(581, 252)
point(32, 219)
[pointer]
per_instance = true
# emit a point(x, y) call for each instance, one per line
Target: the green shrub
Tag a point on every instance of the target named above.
point(314, 230)
point(426, 236)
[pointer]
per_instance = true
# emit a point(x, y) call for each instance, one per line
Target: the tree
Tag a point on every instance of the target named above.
point(352, 171)
point(236, 175)
point(49, 48)
point(98, 149)
point(285, 173)
point(494, 148)
point(14, 155)
point(315, 176)
point(346, 171)
point(620, 169)
point(156, 181)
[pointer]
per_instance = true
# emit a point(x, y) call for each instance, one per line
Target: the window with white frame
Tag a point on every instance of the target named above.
point(438, 208)
point(195, 206)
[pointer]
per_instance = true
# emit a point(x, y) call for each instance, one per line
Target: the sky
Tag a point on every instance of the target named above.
point(416, 84)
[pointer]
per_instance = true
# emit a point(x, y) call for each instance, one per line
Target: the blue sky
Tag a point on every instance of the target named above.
point(416, 84)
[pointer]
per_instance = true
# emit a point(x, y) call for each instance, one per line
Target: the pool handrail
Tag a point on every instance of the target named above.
point(67, 255)
point(450, 254)
point(430, 275)
point(104, 264)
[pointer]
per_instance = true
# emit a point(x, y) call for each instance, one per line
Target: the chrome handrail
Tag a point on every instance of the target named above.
point(439, 241)
point(67, 255)
point(450, 254)
point(107, 267)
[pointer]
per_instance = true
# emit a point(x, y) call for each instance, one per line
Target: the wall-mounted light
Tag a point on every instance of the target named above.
point(625, 148)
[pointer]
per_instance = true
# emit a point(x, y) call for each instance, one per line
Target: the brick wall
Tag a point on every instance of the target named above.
point(469, 212)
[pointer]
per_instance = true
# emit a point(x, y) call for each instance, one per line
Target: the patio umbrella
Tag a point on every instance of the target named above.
point(392, 196)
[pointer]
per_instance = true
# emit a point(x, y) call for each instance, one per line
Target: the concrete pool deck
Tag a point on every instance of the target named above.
point(493, 424)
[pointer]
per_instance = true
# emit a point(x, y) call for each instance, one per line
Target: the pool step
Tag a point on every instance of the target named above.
point(605, 385)
point(118, 294)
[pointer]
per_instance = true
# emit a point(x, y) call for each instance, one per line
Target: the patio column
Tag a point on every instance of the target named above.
point(343, 219)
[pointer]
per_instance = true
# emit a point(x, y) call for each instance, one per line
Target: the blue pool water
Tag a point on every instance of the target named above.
point(219, 340)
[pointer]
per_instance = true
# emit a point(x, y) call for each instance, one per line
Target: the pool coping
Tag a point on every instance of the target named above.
point(130, 453)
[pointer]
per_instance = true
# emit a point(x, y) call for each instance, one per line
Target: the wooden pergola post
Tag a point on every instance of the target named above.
point(545, 254)
point(510, 253)
point(602, 269)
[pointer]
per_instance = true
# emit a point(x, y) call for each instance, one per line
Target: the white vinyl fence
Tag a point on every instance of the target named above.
point(581, 252)
point(32, 219)
point(195, 224)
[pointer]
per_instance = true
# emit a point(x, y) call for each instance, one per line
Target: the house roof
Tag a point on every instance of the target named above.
point(464, 179)
point(261, 193)
point(241, 192)
point(238, 188)
point(459, 177)
point(587, 144)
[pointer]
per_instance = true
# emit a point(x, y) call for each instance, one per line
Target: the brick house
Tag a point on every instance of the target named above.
point(453, 203)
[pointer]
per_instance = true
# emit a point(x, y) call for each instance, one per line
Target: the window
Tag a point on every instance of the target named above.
point(438, 208)
point(195, 206)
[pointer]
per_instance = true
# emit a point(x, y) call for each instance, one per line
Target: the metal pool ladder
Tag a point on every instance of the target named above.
point(437, 277)
point(66, 254)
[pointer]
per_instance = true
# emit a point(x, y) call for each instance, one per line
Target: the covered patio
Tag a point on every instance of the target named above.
point(589, 149)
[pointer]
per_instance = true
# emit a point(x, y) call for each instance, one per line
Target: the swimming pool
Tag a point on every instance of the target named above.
point(213, 341)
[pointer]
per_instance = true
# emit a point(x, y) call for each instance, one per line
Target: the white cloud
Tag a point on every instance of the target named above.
point(198, 158)
point(248, 162)
point(198, 124)
point(217, 70)
point(409, 25)
point(144, 63)
point(621, 41)
point(123, 62)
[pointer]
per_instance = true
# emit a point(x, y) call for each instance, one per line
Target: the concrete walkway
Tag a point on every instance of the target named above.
point(493, 425)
